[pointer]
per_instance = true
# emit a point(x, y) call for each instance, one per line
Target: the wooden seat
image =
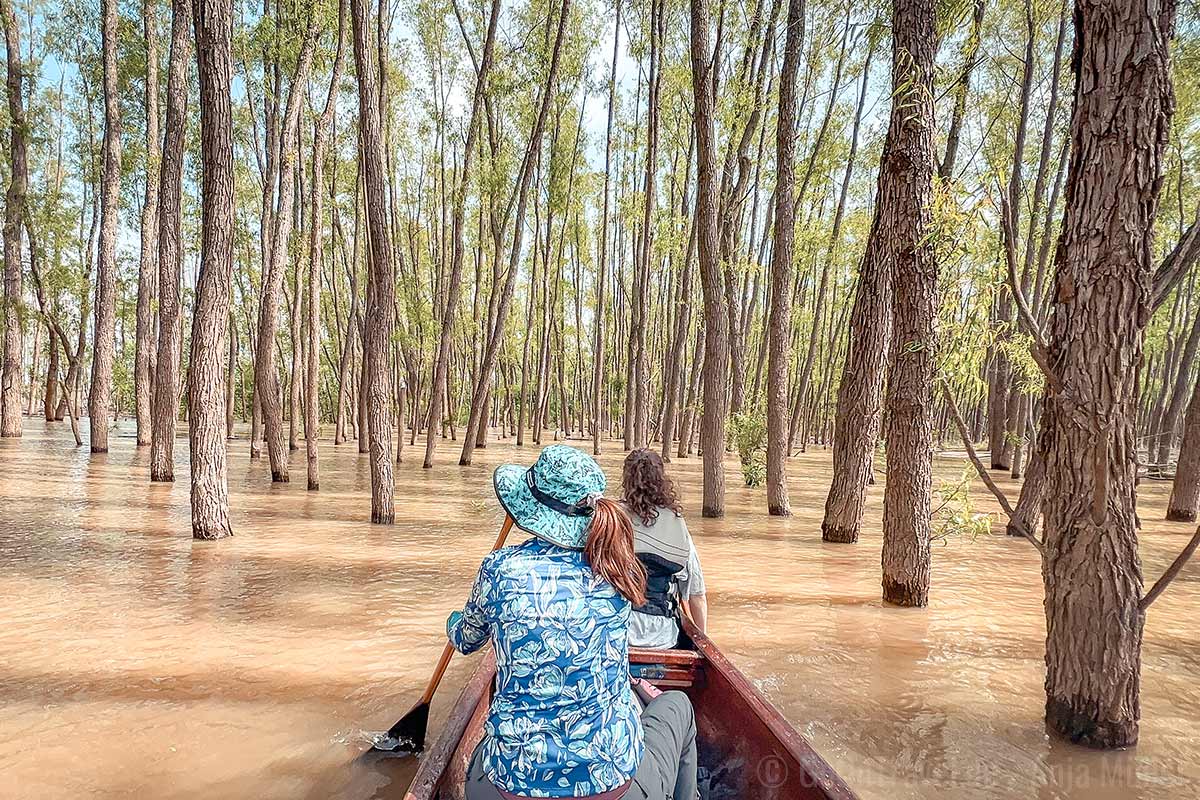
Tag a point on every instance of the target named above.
point(667, 669)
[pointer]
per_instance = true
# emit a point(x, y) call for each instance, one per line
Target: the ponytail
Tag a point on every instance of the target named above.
point(610, 554)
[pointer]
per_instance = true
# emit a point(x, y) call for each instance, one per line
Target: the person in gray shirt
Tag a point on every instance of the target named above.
point(665, 548)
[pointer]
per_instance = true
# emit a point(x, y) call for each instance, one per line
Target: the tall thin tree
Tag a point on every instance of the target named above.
point(210, 319)
point(266, 376)
point(906, 189)
point(170, 248)
point(602, 265)
point(779, 325)
point(143, 370)
point(454, 280)
point(381, 277)
point(100, 396)
point(316, 252)
point(14, 210)
point(716, 321)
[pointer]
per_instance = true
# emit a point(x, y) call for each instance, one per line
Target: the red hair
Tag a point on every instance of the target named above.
point(609, 552)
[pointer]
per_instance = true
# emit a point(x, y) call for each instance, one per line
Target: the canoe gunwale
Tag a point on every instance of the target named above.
point(443, 757)
point(436, 759)
point(819, 772)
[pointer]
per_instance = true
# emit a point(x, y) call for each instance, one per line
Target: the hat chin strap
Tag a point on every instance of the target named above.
point(584, 509)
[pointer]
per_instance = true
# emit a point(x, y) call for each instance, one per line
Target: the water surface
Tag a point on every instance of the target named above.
point(135, 662)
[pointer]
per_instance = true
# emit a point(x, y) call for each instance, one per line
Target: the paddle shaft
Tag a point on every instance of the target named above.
point(448, 651)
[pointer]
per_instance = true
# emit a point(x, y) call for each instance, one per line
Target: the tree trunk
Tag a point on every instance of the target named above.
point(1102, 303)
point(454, 287)
point(210, 319)
point(962, 87)
point(602, 267)
point(50, 395)
point(1160, 449)
point(672, 389)
point(381, 288)
point(316, 252)
point(170, 249)
point(641, 300)
point(14, 211)
point(143, 373)
point(266, 377)
point(856, 425)
point(827, 265)
point(100, 396)
point(780, 323)
point(491, 353)
point(906, 183)
point(716, 319)
point(1185, 490)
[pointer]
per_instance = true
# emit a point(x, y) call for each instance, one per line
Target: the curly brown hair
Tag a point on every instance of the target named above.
point(646, 487)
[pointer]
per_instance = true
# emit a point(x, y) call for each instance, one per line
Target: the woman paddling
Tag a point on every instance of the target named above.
point(563, 721)
point(665, 548)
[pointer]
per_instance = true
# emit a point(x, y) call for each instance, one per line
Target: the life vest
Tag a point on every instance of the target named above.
point(660, 580)
point(663, 550)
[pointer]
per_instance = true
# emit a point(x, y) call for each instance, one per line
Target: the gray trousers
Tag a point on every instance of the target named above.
point(668, 767)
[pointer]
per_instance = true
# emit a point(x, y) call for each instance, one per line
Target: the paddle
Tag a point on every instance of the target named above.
point(407, 736)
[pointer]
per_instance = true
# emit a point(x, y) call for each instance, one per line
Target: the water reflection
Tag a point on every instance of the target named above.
point(136, 662)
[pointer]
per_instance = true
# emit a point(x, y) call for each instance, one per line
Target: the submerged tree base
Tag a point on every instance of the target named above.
point(1083, 729)
point(904, 594)
point(1181, 514)
point(211, 534)
point(839, 535)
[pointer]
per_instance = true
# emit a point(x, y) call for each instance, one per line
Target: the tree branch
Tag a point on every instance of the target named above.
point(1161, 584)
point(1177, 263)
point(1038, 348)
point(982, 470)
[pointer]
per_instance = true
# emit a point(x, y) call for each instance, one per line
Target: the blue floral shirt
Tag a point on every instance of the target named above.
point(563, 721)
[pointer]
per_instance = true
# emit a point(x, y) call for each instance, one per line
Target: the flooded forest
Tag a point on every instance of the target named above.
point(906, 294)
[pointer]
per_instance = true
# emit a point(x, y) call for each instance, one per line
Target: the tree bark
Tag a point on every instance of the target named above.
point(100, 396)
point(856, 424)
point(716, 319)
point(165, 407)
point(14, 212)
point(381, 288)
point(206, 368)
point(1102, 302)
point(143, 373)
point(780, 322)
point(906, 180)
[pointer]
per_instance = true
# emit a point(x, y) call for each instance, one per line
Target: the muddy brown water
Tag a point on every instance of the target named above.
point(135, 662)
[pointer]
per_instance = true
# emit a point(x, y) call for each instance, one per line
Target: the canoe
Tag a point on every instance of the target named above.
point(747, 750)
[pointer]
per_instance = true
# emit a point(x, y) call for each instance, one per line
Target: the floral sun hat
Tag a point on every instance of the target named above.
point(554, 498)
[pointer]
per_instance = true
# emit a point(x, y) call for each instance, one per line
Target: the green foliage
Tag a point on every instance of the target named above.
point(954, 514)
point(748, 432)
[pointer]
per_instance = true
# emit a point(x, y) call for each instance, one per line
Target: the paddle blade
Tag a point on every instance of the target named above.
point(406, 737)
